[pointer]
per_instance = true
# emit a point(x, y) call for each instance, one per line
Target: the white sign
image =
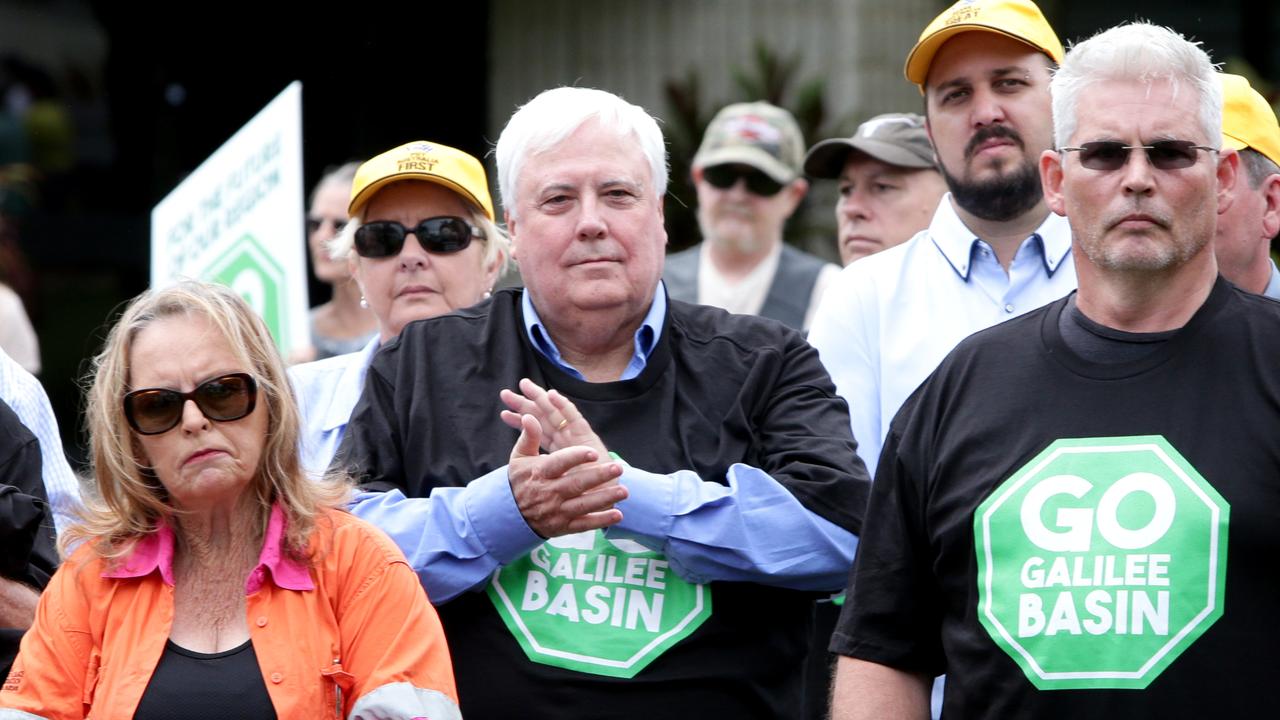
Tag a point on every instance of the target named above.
point(238, 220)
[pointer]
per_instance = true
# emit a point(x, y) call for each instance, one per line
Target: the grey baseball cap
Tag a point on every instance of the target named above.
point(758, 134)
point(893, 138)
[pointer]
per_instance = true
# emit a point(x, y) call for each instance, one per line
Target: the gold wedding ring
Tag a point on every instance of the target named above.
point(563, 422)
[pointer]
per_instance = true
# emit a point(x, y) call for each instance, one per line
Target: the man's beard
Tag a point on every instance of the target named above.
point(1000, 198)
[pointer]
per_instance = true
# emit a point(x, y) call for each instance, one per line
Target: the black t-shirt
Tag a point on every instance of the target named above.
point(717, 389)
point(190, 685)
point(1070, 539)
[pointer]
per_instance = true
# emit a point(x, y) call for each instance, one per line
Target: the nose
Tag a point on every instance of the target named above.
point(854, 205)
point(193, 420)
point(738, 190)
point(591, 224)
point(1138, 175)
point(413, 255)
point(986, 107)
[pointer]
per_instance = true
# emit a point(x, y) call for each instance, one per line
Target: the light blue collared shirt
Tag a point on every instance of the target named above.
point(327, 391)
point(890, 318)
point(749, 529)
point(24, 393)
point(646, 335)
point(1273, 287)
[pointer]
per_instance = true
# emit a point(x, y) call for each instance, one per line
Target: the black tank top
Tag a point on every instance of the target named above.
point(189, 685)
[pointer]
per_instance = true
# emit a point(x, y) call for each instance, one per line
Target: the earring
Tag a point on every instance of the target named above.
point(364, 303)
point(487, 294)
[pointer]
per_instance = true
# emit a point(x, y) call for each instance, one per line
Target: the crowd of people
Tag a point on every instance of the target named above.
point(640, 486)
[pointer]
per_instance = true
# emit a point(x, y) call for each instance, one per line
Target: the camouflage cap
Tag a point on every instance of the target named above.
point(758, 134)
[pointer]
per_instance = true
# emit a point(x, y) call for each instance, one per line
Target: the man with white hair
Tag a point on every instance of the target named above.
point(1075, 515)
point(1251, 221)
point(712, 447)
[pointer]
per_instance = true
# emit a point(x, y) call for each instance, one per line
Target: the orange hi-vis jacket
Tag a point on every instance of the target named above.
point(350, 636)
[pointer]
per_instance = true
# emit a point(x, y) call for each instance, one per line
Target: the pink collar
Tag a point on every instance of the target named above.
point(155, 552)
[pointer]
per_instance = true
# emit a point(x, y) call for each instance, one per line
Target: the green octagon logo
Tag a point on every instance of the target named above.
point(249, 269)
point(597, 605)
point(1100, 561)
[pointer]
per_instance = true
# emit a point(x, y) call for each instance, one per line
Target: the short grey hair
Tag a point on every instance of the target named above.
point(1139, 52)
point(1257, 167)
point(550, 118)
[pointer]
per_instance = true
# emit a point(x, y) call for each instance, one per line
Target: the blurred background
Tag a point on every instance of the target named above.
point(106, 106)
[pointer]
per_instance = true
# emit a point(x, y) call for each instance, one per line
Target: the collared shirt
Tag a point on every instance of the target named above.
point(327, 391)
point(893, 316)
point(746, 296)
point(645, 339)
point(458, 536)
point(350, 635)
point(154, 553)
point(1273, 286)
point(26, 396)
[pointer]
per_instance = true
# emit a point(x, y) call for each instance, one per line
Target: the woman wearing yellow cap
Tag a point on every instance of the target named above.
point(421, 242)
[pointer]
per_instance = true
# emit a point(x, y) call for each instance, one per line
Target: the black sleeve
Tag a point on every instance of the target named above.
point(893, 614)
point(27, 540)
point(371, 448)
point(805, 442)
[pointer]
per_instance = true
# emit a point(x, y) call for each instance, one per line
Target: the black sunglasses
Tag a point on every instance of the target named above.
point(1108, 155)
point(313, 224)
point(151, 411)
point(441, 235)
point(726, 176)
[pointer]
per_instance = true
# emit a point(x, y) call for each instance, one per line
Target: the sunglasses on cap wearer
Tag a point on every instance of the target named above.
point(313, 224)
point(1108, 155)
point(440, 235)
point(151, 411)
point(726, 176)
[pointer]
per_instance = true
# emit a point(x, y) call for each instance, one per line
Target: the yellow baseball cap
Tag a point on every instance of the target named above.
point(425, 161)
point(1248, 121)
point(1018, 19)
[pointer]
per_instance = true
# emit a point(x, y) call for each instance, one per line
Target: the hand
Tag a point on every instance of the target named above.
point(565, 492)
point(561, 424)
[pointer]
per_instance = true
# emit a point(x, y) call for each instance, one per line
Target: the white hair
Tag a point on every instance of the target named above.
point(550, 118)
point(1136, 52)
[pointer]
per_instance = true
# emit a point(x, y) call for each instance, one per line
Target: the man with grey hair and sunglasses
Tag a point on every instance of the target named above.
point(1075, 515)
point(711, 447)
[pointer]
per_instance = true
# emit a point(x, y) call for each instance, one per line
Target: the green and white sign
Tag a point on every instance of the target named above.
point(238, 220)
point(1100, 561)
point(597, 605)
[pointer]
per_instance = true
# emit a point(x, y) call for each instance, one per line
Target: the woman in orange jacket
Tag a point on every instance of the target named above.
point(213, 578)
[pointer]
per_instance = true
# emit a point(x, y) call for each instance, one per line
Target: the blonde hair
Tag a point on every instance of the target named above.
point(129, 502)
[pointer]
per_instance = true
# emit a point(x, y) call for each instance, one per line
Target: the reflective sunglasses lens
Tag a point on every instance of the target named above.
point(226, 398)
point(153, 411)
point(379, 239)
point(1103, 155)
point(444, 234)
point(1172, 154)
